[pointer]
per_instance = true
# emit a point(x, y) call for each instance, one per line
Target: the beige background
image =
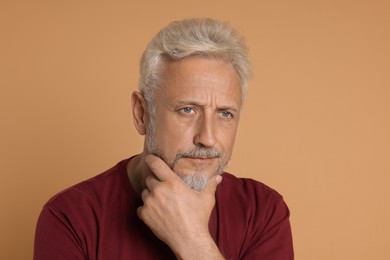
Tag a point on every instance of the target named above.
point(316, 124)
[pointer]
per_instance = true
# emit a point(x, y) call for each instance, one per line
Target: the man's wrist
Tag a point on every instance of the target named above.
point(204, 248)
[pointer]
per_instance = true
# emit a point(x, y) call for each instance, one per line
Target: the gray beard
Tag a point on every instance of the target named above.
point(198, 181)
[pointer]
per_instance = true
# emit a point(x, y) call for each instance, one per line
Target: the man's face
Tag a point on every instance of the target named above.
point(197, 110)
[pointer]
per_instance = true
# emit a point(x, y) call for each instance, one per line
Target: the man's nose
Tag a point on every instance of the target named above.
point(206, 132)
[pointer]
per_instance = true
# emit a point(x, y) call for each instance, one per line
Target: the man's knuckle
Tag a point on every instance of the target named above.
point(159, 191)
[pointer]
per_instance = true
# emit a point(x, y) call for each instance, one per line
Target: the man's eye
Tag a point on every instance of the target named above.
point(187, 110)
point(226, 114)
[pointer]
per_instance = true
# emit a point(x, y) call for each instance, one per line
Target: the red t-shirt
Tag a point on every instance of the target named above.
point(97, 219)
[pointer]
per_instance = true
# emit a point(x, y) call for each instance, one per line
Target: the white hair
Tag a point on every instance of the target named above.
point(193, 37)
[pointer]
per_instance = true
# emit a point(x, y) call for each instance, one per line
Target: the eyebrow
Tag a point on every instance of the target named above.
point(199, 104)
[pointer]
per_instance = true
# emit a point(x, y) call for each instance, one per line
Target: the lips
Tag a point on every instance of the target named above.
point(201, 160)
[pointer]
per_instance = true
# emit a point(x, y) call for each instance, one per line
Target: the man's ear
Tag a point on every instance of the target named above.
point(138, 105)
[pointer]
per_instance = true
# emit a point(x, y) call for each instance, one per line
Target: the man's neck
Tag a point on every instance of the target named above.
point(137, 171)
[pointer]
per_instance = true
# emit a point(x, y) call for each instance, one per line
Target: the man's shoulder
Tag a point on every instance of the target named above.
point(255, 215)
point(246, 185)
point(246, 192)
point(91, 189)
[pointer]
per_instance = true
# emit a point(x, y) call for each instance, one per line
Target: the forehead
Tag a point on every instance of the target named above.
point(200, 78)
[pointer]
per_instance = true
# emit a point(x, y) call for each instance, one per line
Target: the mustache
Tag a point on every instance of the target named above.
point(199, 152)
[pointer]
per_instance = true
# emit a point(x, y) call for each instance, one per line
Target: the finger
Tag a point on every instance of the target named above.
point(151, 181)
point(213, 183)
point(145, 193)
point(140, 212)
point(218, 179)
point(159, 168)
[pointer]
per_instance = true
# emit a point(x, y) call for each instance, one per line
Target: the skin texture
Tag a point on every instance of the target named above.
point(198, 105)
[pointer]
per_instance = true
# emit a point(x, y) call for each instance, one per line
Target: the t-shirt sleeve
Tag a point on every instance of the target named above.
point(272, 240)
point(55, 237)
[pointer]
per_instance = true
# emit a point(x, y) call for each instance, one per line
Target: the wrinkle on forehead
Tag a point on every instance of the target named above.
point(202, 80)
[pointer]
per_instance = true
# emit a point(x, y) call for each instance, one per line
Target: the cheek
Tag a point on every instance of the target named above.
point(227, 141)
point(229, 145)
point(172, 137)
point(227, 132)
point(175, 131)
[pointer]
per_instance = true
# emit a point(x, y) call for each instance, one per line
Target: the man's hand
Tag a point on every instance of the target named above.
point(178, 215)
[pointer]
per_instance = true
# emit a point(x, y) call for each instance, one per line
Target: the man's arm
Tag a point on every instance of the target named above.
point(177, 214)
point(274, 240)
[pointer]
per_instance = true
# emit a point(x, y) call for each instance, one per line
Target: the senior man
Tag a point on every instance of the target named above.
point(174, 200)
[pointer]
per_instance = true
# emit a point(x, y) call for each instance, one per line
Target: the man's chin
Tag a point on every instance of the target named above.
point(196, 181)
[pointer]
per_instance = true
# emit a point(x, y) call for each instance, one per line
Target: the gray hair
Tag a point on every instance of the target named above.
point(193, 37)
